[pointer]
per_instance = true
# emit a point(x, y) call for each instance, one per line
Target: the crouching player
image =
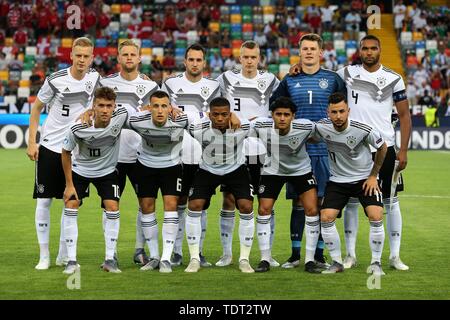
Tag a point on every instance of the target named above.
point(94, 162)
point(286, 161)
point(353, 174)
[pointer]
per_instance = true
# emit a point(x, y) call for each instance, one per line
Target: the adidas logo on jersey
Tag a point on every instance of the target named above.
point(180, 91)
point(297, 85)
point(66, 90)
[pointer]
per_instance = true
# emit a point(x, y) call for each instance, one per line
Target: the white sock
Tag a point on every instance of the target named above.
point(111, 232)
point(203, 222)
point(193, 233)
point(71, 232)
point(226, 231)
point(150, 230)
point(351, 226)
point(140, 238)
point(272, 228)
point(104, 220)
point(62, 250)
point(42, 221)
point(376, 239)
point(393, 226)
point(178, 247)
point(263, 233)
point(312, 231)
point(246, 232)
point(169, 233)
point(332, 241)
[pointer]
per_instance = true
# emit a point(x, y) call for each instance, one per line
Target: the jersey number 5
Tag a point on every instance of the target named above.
point(66, 110)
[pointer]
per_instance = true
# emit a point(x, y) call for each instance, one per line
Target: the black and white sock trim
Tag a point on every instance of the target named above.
point(328, 224)
point(194, 214)
point(70, 212)
point(262, 220)
point(171, 220)
point(112, 215)
point(227, 214)
point(376, 224)
point(246, 216)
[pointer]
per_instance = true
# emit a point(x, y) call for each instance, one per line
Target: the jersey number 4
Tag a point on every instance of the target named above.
point(355, 96)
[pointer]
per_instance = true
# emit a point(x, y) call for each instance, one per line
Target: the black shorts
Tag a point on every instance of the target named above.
point(386, 173)
point(107, 186)
point(150, 180)
point(271, 185)
point(49, 175)
point(237, 182)
point(338, 194)
point(125, 170)
point(189, 171)
point(254, 166)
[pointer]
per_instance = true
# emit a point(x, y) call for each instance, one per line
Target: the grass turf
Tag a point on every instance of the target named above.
point(425, 211)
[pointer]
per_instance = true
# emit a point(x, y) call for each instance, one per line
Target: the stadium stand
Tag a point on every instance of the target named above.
point(34, 39)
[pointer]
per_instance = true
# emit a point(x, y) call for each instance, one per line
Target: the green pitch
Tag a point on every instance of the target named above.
point(426, 219)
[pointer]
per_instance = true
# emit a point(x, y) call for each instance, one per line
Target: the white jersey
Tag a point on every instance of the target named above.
point(249, 99)
point(371, 96)
point(222, 152)
point(286, 155)
point(191, 97)
point(161, 146)
point(67, 98)
point(131, 95)
point(349, 152)
point(98, 148)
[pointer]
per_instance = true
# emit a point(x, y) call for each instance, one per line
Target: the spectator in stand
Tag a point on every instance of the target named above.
point(327, 17)
point(190, 22)
point(315, 21)
point(413, 13)
point(329, 51)
point(426, 61)
point(420, 76)
point(216, 63)
point(272, 40)
point(426, 99)
point(156, 64)
point(229, 64)
point(15, 64)
point(157, 21)
point(411, 92)
point(158, 37)
point(293, 21)
point(136, 14)
point(312, 9)
point(14, 19)
point(261, 39)
point(225, 41)
point(204, 16)
point(146, 27)
point(420, 22)
point(422, 88)
point(3, 61)
point(436, 82)
point(4, 10)
point(169, 62)
point(215, 12)
point(283, 33)
point(331, 63)
point(399, 16)
point(357, 5)
point(90, 20)
point(352, 20)
point(133, 30)
point(214, 40)
point(21, 37)
point(442, 61)
point(170, 22)
point(169, 41)
point(280, 10)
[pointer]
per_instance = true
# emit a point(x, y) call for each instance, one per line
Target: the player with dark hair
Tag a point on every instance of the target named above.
point(309, 90)
point(353, 174)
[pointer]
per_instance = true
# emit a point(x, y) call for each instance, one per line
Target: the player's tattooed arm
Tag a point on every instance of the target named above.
point(69, 191)
point(371, 186)
point(405, 132)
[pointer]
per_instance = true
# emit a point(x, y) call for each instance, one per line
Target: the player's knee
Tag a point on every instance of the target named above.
point(264, 211)
point(311, 211)
point(195, 205)
point(245, 207)
point(147, 207)
point(327, 216)
point(228, 201)
point(111, 206)
point(375, 214)
point(72, 204)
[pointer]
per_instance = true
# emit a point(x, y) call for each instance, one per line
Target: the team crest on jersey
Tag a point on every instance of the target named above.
point(205, 92)
point(115, 129)
point(323, 83)
point(89, 86)
point(293, 142)
point(191, 191)
point(261, 189)
point(351, 141)
point(40, 188)
point(262, 85)
point(381, 82)
point(140, 90)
